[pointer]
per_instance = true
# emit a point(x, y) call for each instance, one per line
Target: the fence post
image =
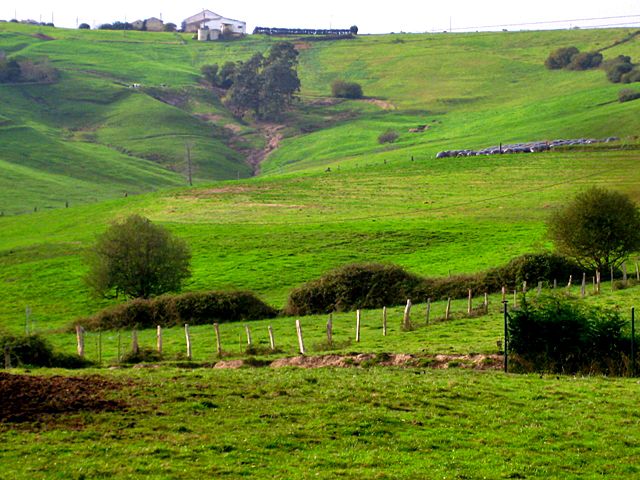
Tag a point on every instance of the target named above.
point(506, 337)
point(598, 281)
point(624, 273)
point(188, 339)
point(555, 283)
point(7, 357)
point(330, 330)
point(406, 319)
point(80, 340)
point(100, 347)
point(570, 282)
point(612, 285)
point(637, 272)
point(119, 345)
point(384, 321)
point(135, 348)
point(469, 302)
point(633, 342)
point(486, 302)
point(248, 332)
point(159, 339)
point(216, 328)
point(300, 339)
point(583, 287)
point(358, 314)
point(524, 286)
point(448, 310)
point(504, 294)
point(428, 310)
point(272, 340)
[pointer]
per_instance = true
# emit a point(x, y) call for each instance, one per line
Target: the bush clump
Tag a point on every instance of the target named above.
point(359, 285)
point(617, 68)
point(372, 285)
point(195, 308)
point(389, 136)
point(342, 89)
point(561, 58)
point(562, 336)
point(585, 61)
point(35, 351)
point(627, 95)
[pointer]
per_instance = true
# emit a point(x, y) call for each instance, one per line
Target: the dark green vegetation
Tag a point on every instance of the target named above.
point(195, 308)
point(554, 334)
point(342, 89)
point(600, 229)
point(35, 351)
point(137, 259)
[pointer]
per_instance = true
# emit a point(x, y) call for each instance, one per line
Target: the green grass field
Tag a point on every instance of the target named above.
point(329, 195)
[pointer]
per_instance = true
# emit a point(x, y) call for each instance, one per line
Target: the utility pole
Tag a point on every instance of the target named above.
point(187, 146)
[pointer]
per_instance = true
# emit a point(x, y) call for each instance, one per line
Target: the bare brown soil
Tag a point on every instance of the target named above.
point(475, 362)
point(383, 104)
point(26, 398)
point(42, 36)
point(273, 136)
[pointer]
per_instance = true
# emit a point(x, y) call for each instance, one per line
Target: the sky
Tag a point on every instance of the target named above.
point(371, 16)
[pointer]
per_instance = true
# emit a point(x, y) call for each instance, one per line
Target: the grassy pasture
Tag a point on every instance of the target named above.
point(346, 423)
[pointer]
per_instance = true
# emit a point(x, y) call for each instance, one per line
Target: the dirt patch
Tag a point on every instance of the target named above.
point(302, 46)
point(272, 134)
point(233, 128)
point(475, 362)
point(326, 101)
point(232, 190)
point(383, 104)
point(42, 36)
point(210, 117)
point(24, 398)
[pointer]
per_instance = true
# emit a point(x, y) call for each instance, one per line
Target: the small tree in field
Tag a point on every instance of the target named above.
point(137, 259)
point(598, 228)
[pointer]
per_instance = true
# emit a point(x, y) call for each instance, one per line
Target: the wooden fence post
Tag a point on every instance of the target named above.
point(539, 289)
point(384, 321)
point(358, 318)
point(448, 310)
point(486, 302)
point(188, 339)
point(80, 340)
point(637, 272)
point(624, 272)
point(216, 329)
point(406, 319)
point(159, 339)
point(555, 283)
point(135, 348)
point(583, 287)
point(7, 357)
point(272, 340)
point(570, 281)
point(300, 339)
point(504, 294)
point(428, 310)
point(330, 330)
point(524, 287)
point(248, 332)
point(469, 302)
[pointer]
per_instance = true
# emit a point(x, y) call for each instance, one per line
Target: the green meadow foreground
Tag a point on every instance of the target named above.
point(329, 195)
point(336, 423)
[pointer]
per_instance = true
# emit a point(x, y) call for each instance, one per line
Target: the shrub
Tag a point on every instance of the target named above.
point(389, 136)
point(143, 355)
point(617, 67)
point(170, 310)
point(632, 76)
point(342, 89)
point(359, 285)
point(585, 61)
point(35, 351)
point(534, 268)
point(627, 95)
point(84, 26)
point(559, 335)
point(560, 58)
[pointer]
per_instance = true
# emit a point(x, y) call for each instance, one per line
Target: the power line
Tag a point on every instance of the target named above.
point(549, 22)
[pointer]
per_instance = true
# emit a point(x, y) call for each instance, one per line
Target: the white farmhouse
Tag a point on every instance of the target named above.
point(208, 20)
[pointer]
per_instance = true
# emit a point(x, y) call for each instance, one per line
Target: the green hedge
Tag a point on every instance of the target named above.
point(194, 308)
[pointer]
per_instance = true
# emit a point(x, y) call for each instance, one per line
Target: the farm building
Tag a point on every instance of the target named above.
point(208, 20)
point(152, 24)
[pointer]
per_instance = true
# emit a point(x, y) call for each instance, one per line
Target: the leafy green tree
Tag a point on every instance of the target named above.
point(137, 259)
point(598, 228)
point(265, 86)
point(210, 74)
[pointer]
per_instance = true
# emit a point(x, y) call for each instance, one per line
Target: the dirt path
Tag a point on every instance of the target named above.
point(473, 362)
point(272, 133)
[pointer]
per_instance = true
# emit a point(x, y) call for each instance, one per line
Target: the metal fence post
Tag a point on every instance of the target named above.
point(506, 336)
point(633, 341)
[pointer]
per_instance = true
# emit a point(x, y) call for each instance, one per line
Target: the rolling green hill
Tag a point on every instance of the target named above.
point(330, 194)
